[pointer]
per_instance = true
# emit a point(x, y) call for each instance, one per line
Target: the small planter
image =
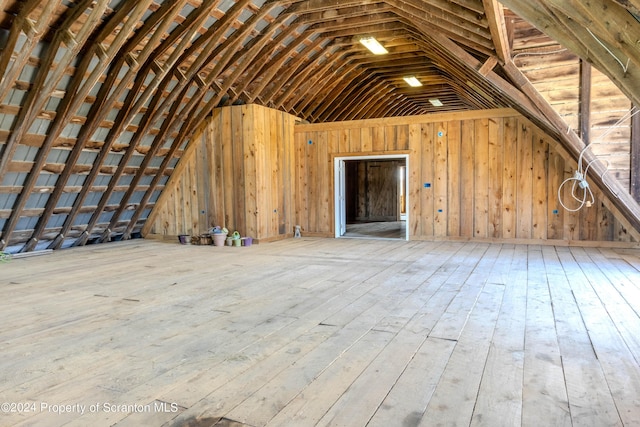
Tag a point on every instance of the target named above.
point(247, 241)
point(219, 239)
point(184, 239)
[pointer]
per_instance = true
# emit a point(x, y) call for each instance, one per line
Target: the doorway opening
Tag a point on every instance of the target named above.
point(371, 196)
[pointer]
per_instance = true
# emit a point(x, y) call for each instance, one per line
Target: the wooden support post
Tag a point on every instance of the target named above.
point(488, 65)
point(585, 101)
point(498, 29)
point(635, 157)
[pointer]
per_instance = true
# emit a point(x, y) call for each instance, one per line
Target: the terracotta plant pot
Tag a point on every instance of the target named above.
point(219, 239)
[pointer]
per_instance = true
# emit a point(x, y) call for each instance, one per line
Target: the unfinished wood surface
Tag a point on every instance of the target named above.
point(238, 176)
point(557, 75)
point(472, 175)
point(100, 99)
point(373, 189)
point(377, 230)
point(323, 332)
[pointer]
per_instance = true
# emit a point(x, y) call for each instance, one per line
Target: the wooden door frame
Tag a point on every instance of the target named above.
point(339, 184)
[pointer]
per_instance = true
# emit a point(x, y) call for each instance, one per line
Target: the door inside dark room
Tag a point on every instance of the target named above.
point(374, 197)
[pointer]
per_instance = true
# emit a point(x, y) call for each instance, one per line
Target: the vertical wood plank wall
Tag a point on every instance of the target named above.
point(238, 173)
point(473, 175)
point(490, 175)
point(178, 209)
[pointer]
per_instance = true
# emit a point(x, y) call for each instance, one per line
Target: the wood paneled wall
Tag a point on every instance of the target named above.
point(488, 175)
point(482, 175)
point(237, 173)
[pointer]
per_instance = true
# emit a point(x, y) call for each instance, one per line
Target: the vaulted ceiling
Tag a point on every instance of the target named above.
point(99, 98)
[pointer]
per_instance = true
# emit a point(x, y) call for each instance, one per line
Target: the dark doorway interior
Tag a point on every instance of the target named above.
point(375, 198)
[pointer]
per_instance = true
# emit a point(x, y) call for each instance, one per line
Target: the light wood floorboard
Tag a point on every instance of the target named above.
point(321, 332)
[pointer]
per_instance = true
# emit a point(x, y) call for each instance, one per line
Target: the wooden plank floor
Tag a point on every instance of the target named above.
point(321, 332)
point(377, 230)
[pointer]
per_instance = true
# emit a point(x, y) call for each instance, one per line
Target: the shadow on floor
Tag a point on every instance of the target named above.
point(377, 230)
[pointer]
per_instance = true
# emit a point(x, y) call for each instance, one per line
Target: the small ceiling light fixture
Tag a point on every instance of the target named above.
point(373, 45)
point(412, 81)
point(436, 102)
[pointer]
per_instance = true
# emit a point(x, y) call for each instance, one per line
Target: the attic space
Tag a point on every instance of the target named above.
point(182, 185)
point(101, 100)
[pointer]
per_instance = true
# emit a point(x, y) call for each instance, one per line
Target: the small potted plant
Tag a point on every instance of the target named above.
point(219, 235)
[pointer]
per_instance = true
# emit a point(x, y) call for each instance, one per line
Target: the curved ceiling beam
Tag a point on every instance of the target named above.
point(381, 91)
point(325, 66)
point(311, 65)
point(36, 96)
point(174, 117)
point(205, 49)
point(366, 107)
point(139, 94)
point(86, 83)
point(338, 77)
point(156, 25)
point(466, 33)
point(305, 20)
point(355, 91)
point(174, 99)
point(268, 73)
point(237, 58)
point(143, 129)
point(264, 56)
point(34, 30)
point(187, 118)
point(343, 87)
point(80, 87)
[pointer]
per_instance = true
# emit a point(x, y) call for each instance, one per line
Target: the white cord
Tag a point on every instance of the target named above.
point(554, 52)
point(624, 67)
point(579, 179)
point(626, 116)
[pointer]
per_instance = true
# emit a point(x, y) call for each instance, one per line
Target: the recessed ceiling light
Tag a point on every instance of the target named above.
point(412, 81)
point(373, 45)
point(436, 102)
